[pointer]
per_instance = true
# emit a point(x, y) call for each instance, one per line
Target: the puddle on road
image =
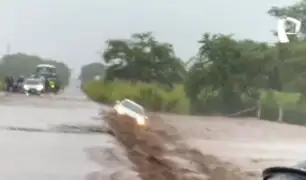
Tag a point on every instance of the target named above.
point(59, 144)
point(63, 128)
point(109, 155)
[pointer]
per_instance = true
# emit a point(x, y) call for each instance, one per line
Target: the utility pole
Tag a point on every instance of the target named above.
point(284, 39)
point(8, 49)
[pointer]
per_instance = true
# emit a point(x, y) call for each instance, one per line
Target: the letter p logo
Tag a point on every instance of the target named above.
point(281, 29)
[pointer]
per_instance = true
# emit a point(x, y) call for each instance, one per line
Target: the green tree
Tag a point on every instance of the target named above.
point(226, 70)
point(89, 71)
point(23, 64)
point(143, 58)
point(289, 62)
point(18, 64)
point(293, 73)
point(297, 10)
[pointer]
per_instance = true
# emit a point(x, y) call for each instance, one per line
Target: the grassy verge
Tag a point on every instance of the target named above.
point(152, 96)
point(157, 98)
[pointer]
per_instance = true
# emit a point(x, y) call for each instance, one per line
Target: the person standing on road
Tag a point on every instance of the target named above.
point(46, 84)
point(51, 83)
point(9, 83)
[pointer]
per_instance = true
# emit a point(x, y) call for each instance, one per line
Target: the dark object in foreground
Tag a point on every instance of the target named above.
point(297, 172)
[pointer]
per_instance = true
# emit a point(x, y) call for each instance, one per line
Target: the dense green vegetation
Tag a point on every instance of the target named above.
point(23, 64)
point(226, 76)
point(152, 96)
point(89, 71)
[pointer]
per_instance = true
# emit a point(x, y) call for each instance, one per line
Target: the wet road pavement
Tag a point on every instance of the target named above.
point(48, 138)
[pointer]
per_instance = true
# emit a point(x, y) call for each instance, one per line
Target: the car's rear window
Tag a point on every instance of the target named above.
point(133, 107)
point(32, 82)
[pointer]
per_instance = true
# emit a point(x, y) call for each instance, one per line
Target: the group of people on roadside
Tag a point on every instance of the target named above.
point(11, 83)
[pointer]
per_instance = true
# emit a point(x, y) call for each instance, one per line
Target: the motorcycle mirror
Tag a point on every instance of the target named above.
point(290, 173)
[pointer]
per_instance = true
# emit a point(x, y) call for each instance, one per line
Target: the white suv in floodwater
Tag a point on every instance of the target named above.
point(131, 109)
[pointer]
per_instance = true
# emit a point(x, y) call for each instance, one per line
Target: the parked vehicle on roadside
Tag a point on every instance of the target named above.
point(33, 86)
point(49, 74)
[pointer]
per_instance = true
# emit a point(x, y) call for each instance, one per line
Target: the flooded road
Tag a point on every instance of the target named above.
point(50, 138)
point(248, 143)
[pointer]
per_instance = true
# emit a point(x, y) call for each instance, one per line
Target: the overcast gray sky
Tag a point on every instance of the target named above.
point(73, 31)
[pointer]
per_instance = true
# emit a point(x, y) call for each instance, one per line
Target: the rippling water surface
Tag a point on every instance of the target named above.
point(53, 138)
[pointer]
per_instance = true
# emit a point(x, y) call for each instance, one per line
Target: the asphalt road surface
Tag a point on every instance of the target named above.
point(51, 137)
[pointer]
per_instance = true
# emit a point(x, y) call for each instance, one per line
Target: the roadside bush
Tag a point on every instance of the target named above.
point(151, 96)
point(155, 98)
point(293, 115)
point(294, 111)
